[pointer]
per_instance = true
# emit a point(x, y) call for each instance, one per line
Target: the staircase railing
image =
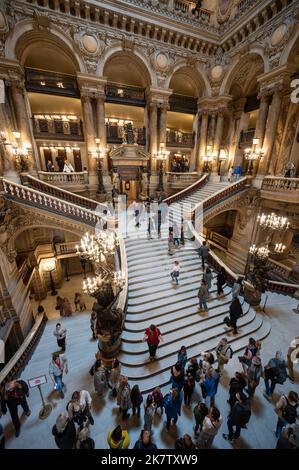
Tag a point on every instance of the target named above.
point(185, 192)
point(19, 360)
point(67, 196)
point(32, 197)
point(222, 194)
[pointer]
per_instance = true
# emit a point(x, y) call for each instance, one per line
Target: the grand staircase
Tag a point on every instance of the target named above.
point(153, 298)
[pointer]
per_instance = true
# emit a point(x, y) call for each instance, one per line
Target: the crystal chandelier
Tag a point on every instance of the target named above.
point(96, 285)
point(279, 248)
point(96, 248)
point(261, 252)
point(273, 222)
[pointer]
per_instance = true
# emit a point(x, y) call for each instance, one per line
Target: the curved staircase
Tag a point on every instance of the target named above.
point(153, 298)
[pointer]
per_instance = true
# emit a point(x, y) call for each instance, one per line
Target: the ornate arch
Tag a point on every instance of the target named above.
point(134, 55)
point(197, 76)
point(24, 37)
point(243, 71)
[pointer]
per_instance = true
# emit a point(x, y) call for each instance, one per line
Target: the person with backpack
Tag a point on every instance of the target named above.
point(189, 385)
point(224, 353)
point(286, 408)
point(203, 296)
point(209, 385)
point(235, 312)
point(118, 438)
point(149, 413)
point(210, 428)
point(237, 384)
point(275, 373)
point(200, 411)
point(221, 280)
point(172, 405)
point(204, 253)
point(254, 374)
point(158, 399)
point(136, 399)
point(238, 417)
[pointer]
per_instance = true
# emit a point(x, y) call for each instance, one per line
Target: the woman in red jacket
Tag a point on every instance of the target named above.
point(153, 337)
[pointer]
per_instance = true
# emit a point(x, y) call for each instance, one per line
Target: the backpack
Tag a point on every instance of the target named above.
point(280, 374)
point(289, 414)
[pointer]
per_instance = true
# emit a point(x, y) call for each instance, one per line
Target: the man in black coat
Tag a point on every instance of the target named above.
point(15, 394)
point(235, 312)
point(238, 417)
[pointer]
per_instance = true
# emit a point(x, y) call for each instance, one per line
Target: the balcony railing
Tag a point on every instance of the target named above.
point(183, 104)
point(124, 94)
point(57, 129)
point(51, 83)
point(64, 179)
point(174, 177)
point(179, 139)
point(282, 189)
point(246, 138)
point(65, 249)
point(119, 134)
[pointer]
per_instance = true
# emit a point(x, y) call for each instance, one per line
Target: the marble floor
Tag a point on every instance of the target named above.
point(36, 434)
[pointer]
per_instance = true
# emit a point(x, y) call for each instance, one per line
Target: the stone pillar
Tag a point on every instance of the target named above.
point(261, 124)
point(101, 127)
point(195, 149)
point(270, 132)
point(163, 123)
point(89, 128)
point(212, 127)
point(203, 139)
point(153, 126)
point(217, 141)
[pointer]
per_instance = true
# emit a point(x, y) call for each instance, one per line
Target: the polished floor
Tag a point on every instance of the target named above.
point(36, 433)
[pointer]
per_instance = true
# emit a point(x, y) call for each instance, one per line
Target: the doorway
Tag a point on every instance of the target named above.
point(131, 189)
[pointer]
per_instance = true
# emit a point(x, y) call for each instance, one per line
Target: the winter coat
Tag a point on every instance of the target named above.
point(203, 293)
point(221, 279)
point(208, 278)
point(211, 384)
point(65, 439)
point(100, 380)
point(235, 310)
point(172, 408)
point(124, 397)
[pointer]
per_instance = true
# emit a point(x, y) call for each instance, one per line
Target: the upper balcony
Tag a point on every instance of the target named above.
point(122, 131)
point(124, 94)
point(281, 189)
point(176, 138)
point(246, 138)
point(50, 83)
point(57, 127)
point(183, 104)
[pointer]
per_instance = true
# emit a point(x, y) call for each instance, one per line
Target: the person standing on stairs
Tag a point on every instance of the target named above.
point(221, 280)
point(208, 278)
point(175, 272)
point(176, 234)
point(203, 296)
point(235, 312)
point(60, 334)
point(153, 337)
point(172, 405)
point(170, 241)
point(236, 290)
point(57, 367)
point(124, 397)
point(12, 396)
point(204, 253)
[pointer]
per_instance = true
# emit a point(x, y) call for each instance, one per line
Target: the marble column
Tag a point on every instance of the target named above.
point(153, 126)
point(212, 127)
point(196, 143)
point(217, 141)
point(270, 132)
point(89, 128)
point(101, 127)
point(202, 139)
point(261, 124)
point(163, 123)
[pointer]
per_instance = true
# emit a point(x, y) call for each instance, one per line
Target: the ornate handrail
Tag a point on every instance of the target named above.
point(63, 194)
point(29, 196)
point(185, 192)
point(68, 179)
point(17, 363)
point(278, 183)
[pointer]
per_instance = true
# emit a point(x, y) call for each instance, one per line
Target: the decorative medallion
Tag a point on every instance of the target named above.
point(90, 43)
point(217, 72)
point(278, 35)
point(162, 61)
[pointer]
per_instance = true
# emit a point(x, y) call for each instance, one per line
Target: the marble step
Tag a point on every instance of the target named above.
point(208, 325)
point(161, 378)
point(136, 281)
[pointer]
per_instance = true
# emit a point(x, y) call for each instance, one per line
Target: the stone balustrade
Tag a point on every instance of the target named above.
point(35, 198)
point(64, 249)
point(225, 193)
point(280, 189)
point(64, 179)
point(185, 192)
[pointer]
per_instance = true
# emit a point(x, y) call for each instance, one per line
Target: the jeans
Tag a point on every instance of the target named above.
point(136, 409)
point(175, 276)
point(58, 382)
point(152, 349)
point(212, 401)
point(168, 422)
point(281, 423)
point(270, 388)
point(203, 303)
point(231, 433)
point(176, 240)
